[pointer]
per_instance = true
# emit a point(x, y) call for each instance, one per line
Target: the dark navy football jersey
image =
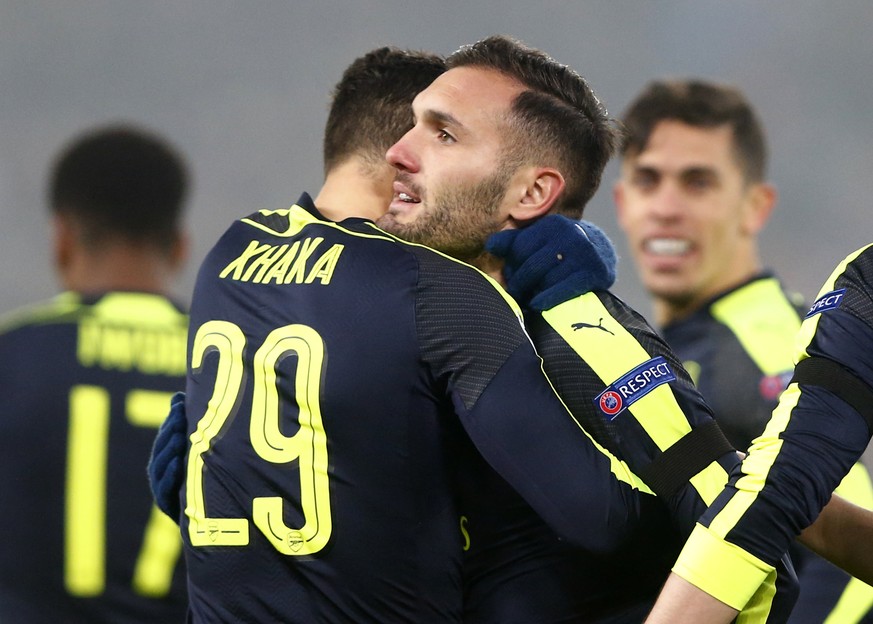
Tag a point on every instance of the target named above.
point(739, 348)
point(86, 382)
point(517, 570)
point(629, 390)
point(811, 442)
point(337, 373)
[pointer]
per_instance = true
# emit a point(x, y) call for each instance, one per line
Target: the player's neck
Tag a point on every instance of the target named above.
point(673, 309)
point(355, 189)
point(745, 264)
point(668, 311)
point(490, 265)
point(118, 269)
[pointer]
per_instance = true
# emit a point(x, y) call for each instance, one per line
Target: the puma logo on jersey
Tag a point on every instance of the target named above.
point(599, 325)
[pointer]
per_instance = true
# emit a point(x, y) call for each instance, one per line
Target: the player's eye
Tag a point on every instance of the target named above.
point(644, 179)
point(443, 136)
point(699, 181)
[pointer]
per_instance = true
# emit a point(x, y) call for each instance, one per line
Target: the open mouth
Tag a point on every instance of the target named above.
point(668, 247)
point(407, 198)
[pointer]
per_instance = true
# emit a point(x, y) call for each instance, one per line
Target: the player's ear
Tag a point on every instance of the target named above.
point(63, 242)
point(536, 190)
point(760, 201)
point(179, 251)
point(618, 200)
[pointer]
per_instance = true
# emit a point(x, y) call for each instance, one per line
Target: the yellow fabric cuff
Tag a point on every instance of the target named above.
point(724, 571)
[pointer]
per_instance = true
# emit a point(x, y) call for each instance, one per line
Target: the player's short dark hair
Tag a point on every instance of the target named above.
point(700, 104)
point(121, 181)
point(372, 103)
point(557, 121)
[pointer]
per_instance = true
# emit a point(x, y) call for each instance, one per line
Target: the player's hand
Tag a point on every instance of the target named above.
point(166, 467)
point(553, 260)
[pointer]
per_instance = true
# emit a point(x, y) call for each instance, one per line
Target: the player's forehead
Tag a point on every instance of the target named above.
point(674, 146)
point(467, 94)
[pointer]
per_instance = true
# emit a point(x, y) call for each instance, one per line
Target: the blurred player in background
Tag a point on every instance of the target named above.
point(820, 428)
point(86, 378)
point(692, 199)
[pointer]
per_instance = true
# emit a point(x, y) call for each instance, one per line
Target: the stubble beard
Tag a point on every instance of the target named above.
point(460, 218)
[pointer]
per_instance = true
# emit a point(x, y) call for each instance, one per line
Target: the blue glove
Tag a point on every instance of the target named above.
point(553, 260)
point(166, 467)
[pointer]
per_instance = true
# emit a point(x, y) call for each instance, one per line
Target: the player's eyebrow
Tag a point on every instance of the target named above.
point(441, 118)
point(699, 170)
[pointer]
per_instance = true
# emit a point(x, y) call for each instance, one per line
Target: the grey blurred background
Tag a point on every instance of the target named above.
point(242, 89)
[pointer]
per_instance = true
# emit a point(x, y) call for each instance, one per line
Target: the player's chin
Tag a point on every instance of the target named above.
point(400, 218)
point(386, 220)
point(390, 223)
point(675, 291)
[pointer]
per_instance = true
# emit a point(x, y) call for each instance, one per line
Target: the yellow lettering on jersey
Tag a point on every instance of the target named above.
point(284, 264)
point(88, 343)
point(85, 505)
point(465, 534)
point(324, 266)
point(298, 269)
point(239, 264)
point(264, 262)
point(115, 348)
point(124, 348)
point(280, 268)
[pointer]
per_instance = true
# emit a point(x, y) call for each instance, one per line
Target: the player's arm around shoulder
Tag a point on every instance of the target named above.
point(646, 395)
point(473, 336)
